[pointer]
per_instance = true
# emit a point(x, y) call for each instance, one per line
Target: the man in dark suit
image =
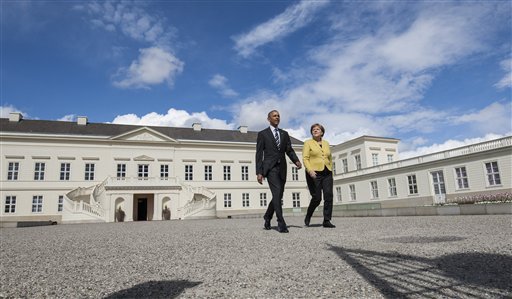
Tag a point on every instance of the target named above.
point(271, 147)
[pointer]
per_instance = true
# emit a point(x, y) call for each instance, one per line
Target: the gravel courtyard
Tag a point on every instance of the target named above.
point(372, 257)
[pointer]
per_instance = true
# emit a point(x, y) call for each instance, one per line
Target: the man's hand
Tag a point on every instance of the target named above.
point(298, 164)
point(260, 179)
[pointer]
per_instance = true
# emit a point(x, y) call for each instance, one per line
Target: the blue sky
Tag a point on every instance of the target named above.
point(434, 74)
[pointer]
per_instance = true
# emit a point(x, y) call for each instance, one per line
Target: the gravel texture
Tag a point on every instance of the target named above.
point(371, 257)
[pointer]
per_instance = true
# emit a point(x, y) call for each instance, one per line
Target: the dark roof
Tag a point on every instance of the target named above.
point(110, 130)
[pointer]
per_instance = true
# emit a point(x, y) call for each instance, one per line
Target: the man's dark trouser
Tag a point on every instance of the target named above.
point(322, 182)
point(276, 184)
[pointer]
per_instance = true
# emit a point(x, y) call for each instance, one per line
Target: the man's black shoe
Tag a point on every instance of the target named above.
point(267, 224)
point(328, 224)
point(307, 220)
point(282, 229)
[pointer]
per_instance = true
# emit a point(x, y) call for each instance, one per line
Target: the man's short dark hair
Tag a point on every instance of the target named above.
point(268, 115)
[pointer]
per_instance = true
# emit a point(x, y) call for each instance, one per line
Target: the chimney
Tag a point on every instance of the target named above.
point(81, 120)
point(196, 126)
point(15, 116)
point(242, 129)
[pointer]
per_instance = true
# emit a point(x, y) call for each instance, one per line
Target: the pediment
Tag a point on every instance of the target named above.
point(143, 158)
point(144, 134)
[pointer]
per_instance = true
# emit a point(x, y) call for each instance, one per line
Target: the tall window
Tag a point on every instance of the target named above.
point(10, 204)
point(344, 162)
point(227, 173)
point(208, 173)
point(12, 171)
point(338, 194)
point(89, 171)
point(245, 200)
point(121, 171)
point(390, 158)
point(39, 171)
point(352, 192)
point(296, 199)
point(375, 189)
point(295, 173)
point(164, 171)
point(65, 169)
point(413, 185)
point(263, 199)
point(143, 171)
point(60, 204)
point(392, 187)
point(189, 173)
point(375, 159)
point(461, 177)
point(227, 200)
point(245, 173)
point(493, 173)
point(334, 167)
point(357, 159)
point(37, 203)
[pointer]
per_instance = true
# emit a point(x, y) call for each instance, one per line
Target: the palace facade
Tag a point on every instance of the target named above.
point(76, 172)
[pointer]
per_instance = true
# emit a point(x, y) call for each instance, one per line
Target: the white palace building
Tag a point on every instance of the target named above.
point(77, 172)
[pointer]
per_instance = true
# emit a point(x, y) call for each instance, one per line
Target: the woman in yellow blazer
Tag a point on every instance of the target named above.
point(318, 162)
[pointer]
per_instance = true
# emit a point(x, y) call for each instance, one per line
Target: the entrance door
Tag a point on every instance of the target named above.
point(142, 209)
point(439, 189)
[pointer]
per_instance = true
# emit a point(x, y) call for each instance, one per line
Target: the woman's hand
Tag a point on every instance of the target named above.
point(312, 173)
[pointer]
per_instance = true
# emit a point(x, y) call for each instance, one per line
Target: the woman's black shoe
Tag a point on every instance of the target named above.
point(328, 224)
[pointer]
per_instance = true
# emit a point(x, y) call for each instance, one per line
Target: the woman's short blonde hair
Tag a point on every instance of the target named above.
point(319, 126)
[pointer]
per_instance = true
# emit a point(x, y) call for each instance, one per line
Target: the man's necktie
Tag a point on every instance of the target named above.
point(276, 135)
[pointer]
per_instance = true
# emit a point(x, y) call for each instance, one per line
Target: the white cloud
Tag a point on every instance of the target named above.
point(447, 145)
point(495, 118)
point(292, 19)
point(506, 81)
point(174, 118)
point(69, 117)
point(153, 66)
point(220, 83)
point(5, 110)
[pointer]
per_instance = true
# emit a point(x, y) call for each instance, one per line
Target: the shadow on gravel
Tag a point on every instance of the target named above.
point(395, 275)
point(155, 289)
point(415, 239)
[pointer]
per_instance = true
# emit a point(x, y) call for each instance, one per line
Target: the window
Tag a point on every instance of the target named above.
point(461, 177)
point(121, 171)
point(352, 192)
point(263, 199)
point(375, 159)
point(207, 172)
point(189, 171)
point(227, 200)
point(143, 171)
point(227, 173)
point(60, 204)
point(245, 200)
point(295, 173)
point(37, 203)
point(296, 199)
point(334, 167)
point(12, 171)
point(413, 185)
point(390, 158)
point(89, 171)
point(10, 204)
point(358, 161)
point(493, 173)
point(375, 189)
point(65, 169)
point(392, 187)
point(344, 162)
point(164, 171)
point(245, 173)
point(39, 171)
point(338, 194)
